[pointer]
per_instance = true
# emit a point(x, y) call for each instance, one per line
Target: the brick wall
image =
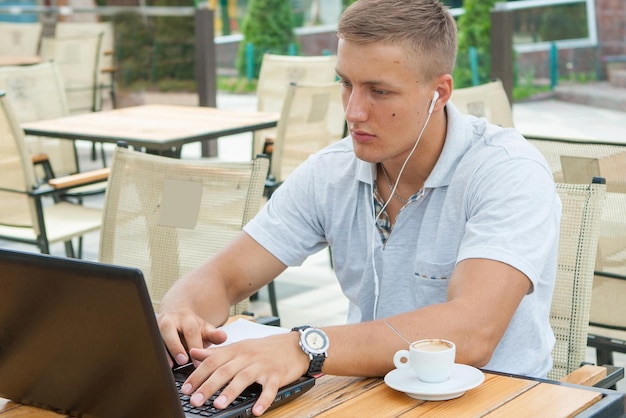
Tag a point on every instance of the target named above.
point(611, 18)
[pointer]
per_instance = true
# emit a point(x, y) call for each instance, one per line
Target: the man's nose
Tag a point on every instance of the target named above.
point(355, 107)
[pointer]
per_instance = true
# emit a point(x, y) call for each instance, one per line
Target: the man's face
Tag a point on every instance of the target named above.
point(384, 100)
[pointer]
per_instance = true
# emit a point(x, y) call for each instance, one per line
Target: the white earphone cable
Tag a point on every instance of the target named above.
point(393, 191)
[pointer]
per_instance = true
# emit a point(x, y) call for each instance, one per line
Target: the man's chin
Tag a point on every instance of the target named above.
point(363, 154)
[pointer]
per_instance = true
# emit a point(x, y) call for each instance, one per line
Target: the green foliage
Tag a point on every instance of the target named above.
point(133, 47)
point(474, 31)
point(565, 22)
point(346, 3)
point(525, 92)
point(173, 85)
point(173, 54)
point(155, 48)
point(237, 85)
point(268, 26)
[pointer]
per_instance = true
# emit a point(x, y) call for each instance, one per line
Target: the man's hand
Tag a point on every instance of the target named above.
point(238, 365)
point(183, 331)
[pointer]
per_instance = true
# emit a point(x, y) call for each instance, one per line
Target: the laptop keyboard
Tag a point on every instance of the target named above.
point(242, 406)
point(208, 410)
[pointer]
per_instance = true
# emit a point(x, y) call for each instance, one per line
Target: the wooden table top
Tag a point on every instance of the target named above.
point(498, 396)
point(156, 127)
point(19, 60)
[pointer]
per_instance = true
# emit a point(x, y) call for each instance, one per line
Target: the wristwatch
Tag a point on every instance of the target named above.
point(314, 342)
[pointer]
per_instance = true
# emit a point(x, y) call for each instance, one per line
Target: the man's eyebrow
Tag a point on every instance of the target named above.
point(369, 83)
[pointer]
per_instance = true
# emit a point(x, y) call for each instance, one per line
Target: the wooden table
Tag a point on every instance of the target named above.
point(19, 60)
point(161, 129)
point(499, 395)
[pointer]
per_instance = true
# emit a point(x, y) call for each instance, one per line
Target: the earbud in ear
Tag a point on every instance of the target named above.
point(432, 103)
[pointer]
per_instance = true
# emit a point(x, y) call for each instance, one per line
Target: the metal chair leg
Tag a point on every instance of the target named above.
point(272, 296)
point(69, 249)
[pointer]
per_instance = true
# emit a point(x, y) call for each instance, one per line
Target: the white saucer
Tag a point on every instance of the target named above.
point(462, 378)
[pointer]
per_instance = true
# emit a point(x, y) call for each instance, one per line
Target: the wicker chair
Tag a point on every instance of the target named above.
point(106, 68)
point(37, 92)
point(277, 72)
point(20, 38)
point(78, 59)
point(486, 100)
point(311, 118)
point(578, 240)
point(106, 71)
point(578, 162)
point(25, 214)
point(167, 216)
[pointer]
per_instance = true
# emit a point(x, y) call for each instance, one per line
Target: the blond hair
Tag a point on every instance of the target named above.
point(425, 27)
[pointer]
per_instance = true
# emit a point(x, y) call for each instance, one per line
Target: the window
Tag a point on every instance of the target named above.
point(539, 23)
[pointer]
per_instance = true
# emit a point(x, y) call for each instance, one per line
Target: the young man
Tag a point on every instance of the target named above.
point(441, 224)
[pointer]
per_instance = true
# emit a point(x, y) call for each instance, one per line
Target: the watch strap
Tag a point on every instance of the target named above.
point(316, 360)
point(315, 365)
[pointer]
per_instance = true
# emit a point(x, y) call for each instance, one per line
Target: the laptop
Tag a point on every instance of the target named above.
point(81, 338)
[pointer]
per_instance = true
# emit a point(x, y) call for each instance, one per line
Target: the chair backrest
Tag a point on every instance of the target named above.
point(167, 216)
point(17, 174)
point(78, 61)
point(571, 301)
point(579, 169)
point(20, 39)
point(487, 100)
point(312, 117)
point(107, 46)
point(36, 93)
point(576, 162)
point(277, 72)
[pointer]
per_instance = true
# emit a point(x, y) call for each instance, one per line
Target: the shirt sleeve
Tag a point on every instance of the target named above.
point(513, 216)
point(288, 224)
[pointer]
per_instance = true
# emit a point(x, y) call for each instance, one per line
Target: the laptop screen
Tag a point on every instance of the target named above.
point(81, 337)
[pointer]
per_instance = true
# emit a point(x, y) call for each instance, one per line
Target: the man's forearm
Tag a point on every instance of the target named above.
point(200, 292)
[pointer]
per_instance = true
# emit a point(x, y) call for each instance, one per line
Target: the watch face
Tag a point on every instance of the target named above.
point(316, 340)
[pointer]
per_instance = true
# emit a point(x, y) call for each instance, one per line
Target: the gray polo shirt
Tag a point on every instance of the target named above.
point(491, 195)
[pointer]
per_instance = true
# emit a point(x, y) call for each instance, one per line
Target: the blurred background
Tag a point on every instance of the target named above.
point(554, 41)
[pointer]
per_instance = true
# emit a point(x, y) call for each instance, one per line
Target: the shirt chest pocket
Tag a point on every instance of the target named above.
point(433, 271)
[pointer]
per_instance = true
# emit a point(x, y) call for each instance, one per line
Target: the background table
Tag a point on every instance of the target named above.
point(19, 60)
point(162, 129)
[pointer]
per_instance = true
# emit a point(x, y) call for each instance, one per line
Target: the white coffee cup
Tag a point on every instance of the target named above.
point(431, 360)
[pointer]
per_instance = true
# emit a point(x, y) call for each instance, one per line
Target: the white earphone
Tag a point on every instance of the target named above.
point(432, 103)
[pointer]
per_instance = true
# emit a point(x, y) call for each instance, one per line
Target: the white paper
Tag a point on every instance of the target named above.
point(242, 329)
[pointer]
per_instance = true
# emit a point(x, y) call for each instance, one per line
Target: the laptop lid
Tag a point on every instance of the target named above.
point(81, 337)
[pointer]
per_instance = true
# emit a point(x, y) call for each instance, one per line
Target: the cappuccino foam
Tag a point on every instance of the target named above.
point(434, 345)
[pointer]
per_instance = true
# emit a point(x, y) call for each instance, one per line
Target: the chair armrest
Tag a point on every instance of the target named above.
point(39, 158)
point(80, 179)
point(587, 375)
point(605, 376)
point(108, 70)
